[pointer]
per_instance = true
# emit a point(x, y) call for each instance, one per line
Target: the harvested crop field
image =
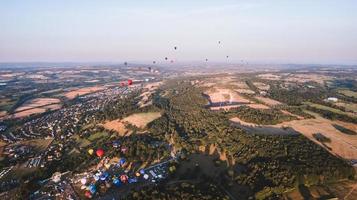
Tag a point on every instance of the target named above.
point(258, 106)
point(261, 86)
point(116, 125)
point(83, 91)
point(245, 91)
point(39, 102)
point(142, 119)
point(269, 76)
point(237, 120)
point(348, 93)
point(31, 111)
point(268, 101)
point(341, 144)
point(303, 78)
point(219, 95)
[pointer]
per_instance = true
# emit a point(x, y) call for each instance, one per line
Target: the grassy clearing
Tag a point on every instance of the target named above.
point(348, 93)
point(82, 142)
point(322, 107)
point(140, 120)
point(96, 136)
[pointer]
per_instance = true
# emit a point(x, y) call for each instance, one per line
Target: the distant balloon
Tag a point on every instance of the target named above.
point(219, 42)
point(166, 58)
point(153, 62)
point(90, 151)
point(88, 194)
point(175, 48)
point(130, 82)
point(125, 63)
point(100, 152)
point(206, 59)
point(227, 56)
point(83, 181)
point(172, 61)
point(124, 178)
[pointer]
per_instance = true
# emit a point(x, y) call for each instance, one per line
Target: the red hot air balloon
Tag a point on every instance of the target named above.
point(124, 178)
point(130, 82)
point(122, 84)
point(88, 194)
point(100, 152)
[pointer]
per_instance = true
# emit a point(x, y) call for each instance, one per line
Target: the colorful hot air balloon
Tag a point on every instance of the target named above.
point(124, 178)
point(130, 82)
point(88, 194)
point(90, 151)
point(83, 181)
point(100, 152)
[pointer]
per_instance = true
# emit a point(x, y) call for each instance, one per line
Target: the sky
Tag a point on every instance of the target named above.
point(275, 31)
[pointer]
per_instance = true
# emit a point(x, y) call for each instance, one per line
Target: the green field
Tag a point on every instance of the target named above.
point(322, 107)
point(348, 93)
point(96, 136)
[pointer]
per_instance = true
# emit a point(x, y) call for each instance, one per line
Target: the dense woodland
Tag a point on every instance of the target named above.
point(259, 116)
point(275, 162)
point(180, 190)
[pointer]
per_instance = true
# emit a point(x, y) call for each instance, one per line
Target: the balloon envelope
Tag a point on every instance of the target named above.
point(90, 151)
point(83, 181)
point(100, 152)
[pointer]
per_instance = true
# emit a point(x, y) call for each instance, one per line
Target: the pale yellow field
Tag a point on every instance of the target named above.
point(82, 91)
point(222, 95)
point(341, 144)
point(258, 106)
point(117, 126)
point(268, 101)
point(142, 119)
point(38, 102)
point(261, 86)
point(245, 91)
point(269, 76)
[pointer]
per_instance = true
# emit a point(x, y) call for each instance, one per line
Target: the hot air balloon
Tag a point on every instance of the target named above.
point(100, 152)
point(175, 48)
point(122, 84)
point(83, 181)
point(227, 56)
point(124, 178)
point(172, 61)
point(219, 42)
point(116, 182)
point(132, 180)
point(166, 58)
point(130, 82)
point(206, 59)
point(88, 194)
point(122, 161)
point(125, 63)
point(154, 62)
point(92, 189)
point(90, 151)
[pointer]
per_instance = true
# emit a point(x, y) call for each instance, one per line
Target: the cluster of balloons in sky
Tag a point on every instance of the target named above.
point(172, 61)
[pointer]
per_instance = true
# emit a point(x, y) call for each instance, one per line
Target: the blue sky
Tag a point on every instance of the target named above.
point(275, 31)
